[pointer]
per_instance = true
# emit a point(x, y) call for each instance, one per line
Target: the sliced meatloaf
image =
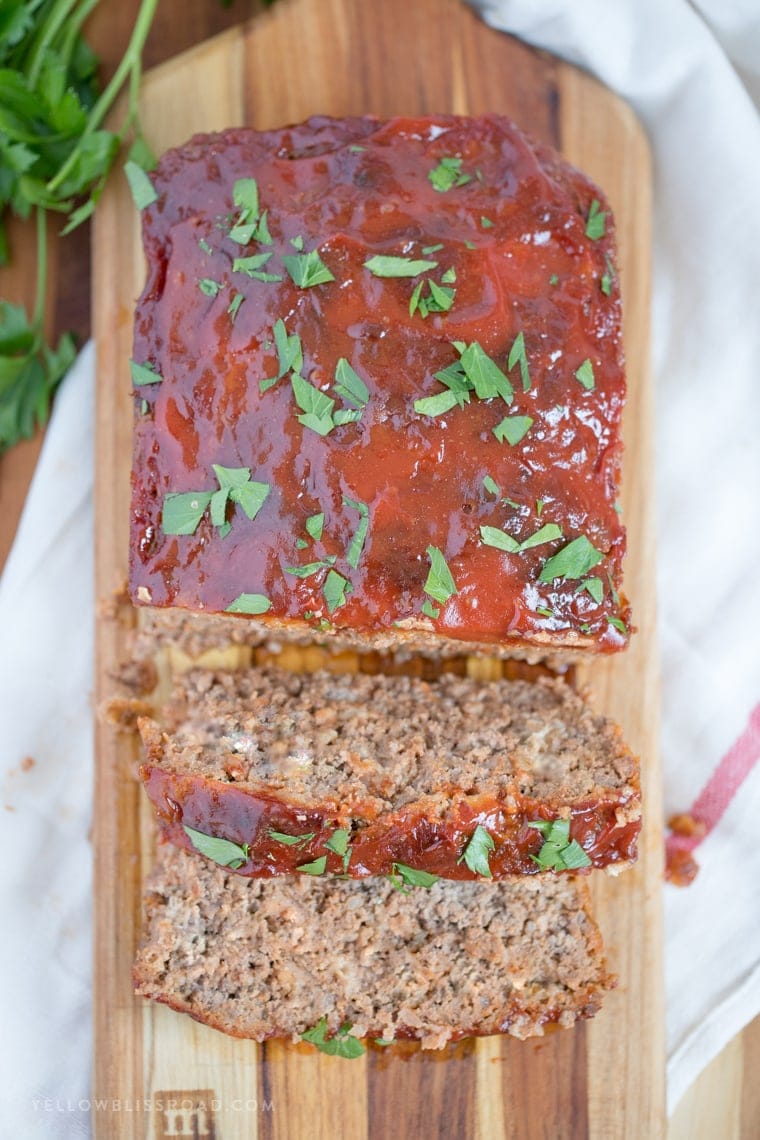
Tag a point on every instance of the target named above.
point(378, 384)
point(259, 958)
point(356, 774)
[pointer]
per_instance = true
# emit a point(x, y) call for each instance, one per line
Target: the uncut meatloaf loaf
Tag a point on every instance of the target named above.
point(378, 385)
point(258, 958)
point(360, 774)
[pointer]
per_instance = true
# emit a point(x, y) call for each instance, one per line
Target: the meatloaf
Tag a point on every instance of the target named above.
point(359, 775)
point(259, 958)
point(378, 382)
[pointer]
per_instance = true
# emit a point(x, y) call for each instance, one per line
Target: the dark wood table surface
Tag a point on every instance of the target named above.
point(725, 1100)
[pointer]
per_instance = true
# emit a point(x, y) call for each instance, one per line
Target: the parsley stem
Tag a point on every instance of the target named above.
point(56, 17)
point(39, 301)
point(73, 29)
point(129, 61)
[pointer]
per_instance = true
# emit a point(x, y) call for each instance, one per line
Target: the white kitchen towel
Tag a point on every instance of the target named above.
point(690, 71)
point(46, 669)
point(675, 68)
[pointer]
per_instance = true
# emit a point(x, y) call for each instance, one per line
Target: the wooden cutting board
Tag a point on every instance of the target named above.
point(604, 1079)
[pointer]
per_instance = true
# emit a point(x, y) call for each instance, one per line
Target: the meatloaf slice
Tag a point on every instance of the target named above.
point(357, 774)
point(260, 959)
point(378, 384)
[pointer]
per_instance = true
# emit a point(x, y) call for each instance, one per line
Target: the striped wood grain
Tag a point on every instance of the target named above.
point(602, 1080)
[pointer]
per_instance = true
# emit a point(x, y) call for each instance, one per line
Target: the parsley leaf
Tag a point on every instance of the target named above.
point(547, 533)
point(335, 589)
point(143, 191)
point(249, 604)
point(349, 385)
point(208, 287)
point(476, 852)
point(585, 375)
point(597, 221)
point(572, 561)
point(307, 269)
point(338, 843)
point(221, 851)
point(439, 585)
point(234, 305)
point(381, 266)
point(491, 485)
point(429, 610)
point(292, 840)
point(317, 867)
point(403, 876)
point(594, 587)
point(143, 374)
point(182, 511)
point(317, 406)
point(559, 852)
point(341, 1045)
point(436, 405)
point(448, 174)
point(492, 536)
point(357, 542)
point(484, 374)
point(253, 267)
point(309, 569)
point(315, 525)
point(513, 429)
point(517, 355)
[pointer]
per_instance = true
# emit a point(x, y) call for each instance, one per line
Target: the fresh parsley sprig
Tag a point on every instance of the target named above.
point(54, 156)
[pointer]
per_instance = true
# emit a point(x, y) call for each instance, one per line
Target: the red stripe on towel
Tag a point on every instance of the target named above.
point(712, 802)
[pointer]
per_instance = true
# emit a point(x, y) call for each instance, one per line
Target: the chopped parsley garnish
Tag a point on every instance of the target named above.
point(613, 592)
point(341, 1045)
point(605, 282)
point(317, 867)
point(360, 535)
point(316, 406)
point(448, 174)
point(491, 485)
point(307, 269)
point(335, 589)
point(142, 189)
point(289, 354)
point(221, 851)
point(208, 287)
point(486, 223)
point(297, 243)
point(517, 355)
point(292, 840)
point(594, 587)
point(485, 376)
point(597, 221)
point(559, 852)
point(513, 429)
point(249, 226)
point(439, 298)
point(204, 247)
point(403, 877)
point(491, 536)
point(544, 611)
point(381, 266)
point(310, 568)
point(428, 249)
point(349, 385)
point(429, 610)
point(476, 852)
point(234, 305)
point(315, 525)
point(338, 843)
point(450, 276)
point(619, 625)
point(183, 511)
point(143, 374)
point(585, 375)
point(253, 267)
point(572, 561)
point(249, 604)
point(439, 584)
point(554, 279)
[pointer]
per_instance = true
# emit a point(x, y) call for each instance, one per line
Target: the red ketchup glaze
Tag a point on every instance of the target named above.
point(353, 189)
point(409, 836)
